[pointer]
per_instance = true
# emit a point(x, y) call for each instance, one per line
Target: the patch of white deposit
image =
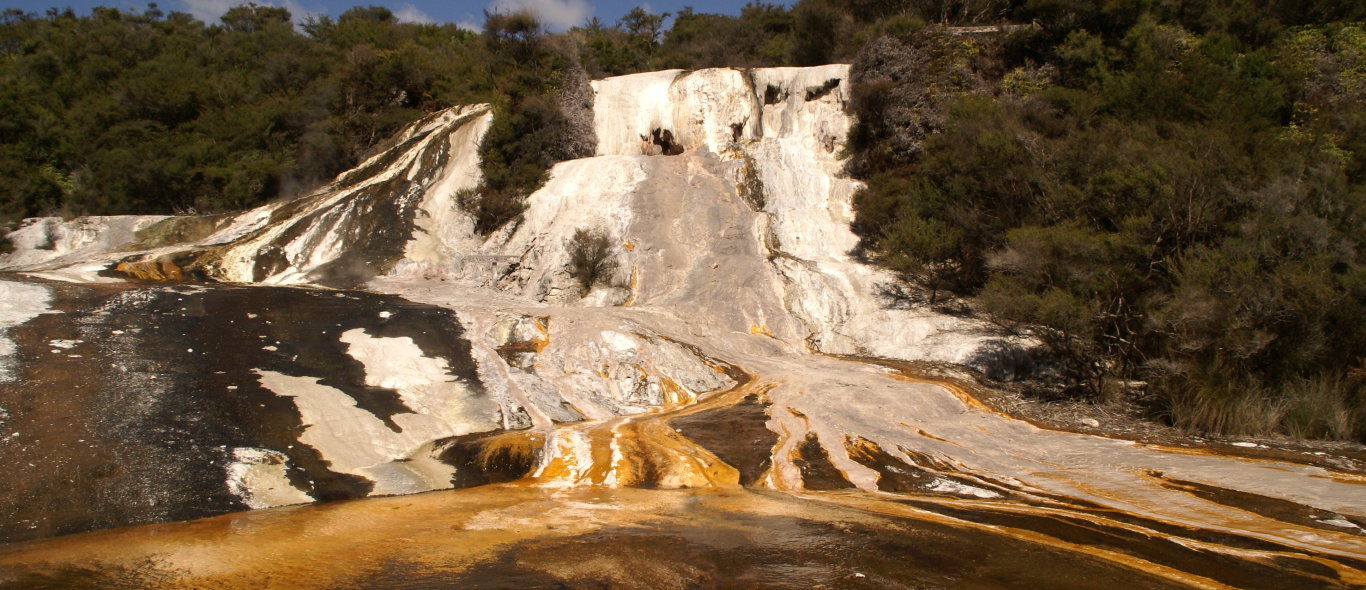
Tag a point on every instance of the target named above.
point(704, 108)
point(605, 372)
point(350, 439)
point(444, 229)
point(952, 487)
point(51, 243)
point(315, 237)
point(627, 107)
point(810, 205)
point(442, 403)
point(618, 342)
point(241, 225)
point(793, 146)
point(1341, 523)
point(75, 250)
point(19, 303)
point(356, 441)
point(714, 108)
point(260, 478)
point(591, 193)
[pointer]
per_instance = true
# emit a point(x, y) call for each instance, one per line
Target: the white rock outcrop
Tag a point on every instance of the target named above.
point(767, 138)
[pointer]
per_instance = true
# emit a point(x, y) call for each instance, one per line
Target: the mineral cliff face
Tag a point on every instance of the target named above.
point(363, 340)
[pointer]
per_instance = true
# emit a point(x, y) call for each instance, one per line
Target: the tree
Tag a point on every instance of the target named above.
point(252, 17)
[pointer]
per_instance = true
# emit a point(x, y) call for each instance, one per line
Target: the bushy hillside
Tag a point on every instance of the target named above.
point(1169, 195)
point(139, 113)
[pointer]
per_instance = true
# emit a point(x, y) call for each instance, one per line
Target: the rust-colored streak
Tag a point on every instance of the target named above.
point(161, 269)
point(921, 432)
point(1272, 508)
point(737, 433)
point(516, 536)
point(644, 450)
point(511, 350)
point(635, 288)
point(818, 472)
point(922, 474)
point(1178, 559)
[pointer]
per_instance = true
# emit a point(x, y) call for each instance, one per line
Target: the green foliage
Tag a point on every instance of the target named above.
point(590, 257)
point(901, 91)
point(120, 112)
point(530, 131)
point(633, 45)
point(760, 36)
point(1170, 196)
point(148, 113)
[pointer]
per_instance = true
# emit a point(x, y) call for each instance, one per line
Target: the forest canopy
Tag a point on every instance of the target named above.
point(1168, 194)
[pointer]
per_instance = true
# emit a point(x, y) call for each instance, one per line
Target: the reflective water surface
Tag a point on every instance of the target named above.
point(522, 536)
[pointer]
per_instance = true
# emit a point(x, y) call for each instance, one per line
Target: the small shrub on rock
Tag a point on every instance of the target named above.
point(590, 257)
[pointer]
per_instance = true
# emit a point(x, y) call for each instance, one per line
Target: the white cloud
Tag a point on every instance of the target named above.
point(297, 12)
point(208, 10)
point(407, 13)
point(554, 14)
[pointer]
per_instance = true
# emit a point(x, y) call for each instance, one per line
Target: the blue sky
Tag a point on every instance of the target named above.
point(557, 14)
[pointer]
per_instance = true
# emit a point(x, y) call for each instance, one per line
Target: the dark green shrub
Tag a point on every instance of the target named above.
point(545, 117)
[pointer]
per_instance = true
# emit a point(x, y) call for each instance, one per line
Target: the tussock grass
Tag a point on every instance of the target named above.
point(1324, 408)
point(1320, 407)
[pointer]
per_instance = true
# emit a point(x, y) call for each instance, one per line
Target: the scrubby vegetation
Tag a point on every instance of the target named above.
point(1167, 193)
point(590, 257)
point(121, 112)
point(118, 112)
point(544, 116)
